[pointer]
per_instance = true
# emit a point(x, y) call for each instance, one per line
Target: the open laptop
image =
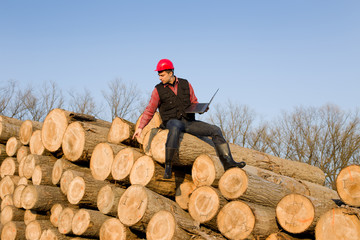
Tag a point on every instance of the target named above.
point(199, 107)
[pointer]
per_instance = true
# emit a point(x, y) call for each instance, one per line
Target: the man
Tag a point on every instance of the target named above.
point(172, 96)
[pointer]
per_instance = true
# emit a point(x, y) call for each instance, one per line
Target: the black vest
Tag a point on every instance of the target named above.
point(173, 106)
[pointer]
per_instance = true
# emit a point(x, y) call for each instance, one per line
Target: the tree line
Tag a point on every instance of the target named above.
point(327, 136)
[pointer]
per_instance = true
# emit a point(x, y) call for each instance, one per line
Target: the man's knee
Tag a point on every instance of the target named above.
point(174, 124)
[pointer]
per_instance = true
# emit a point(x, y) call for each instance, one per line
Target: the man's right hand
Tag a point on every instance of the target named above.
point(137, 133)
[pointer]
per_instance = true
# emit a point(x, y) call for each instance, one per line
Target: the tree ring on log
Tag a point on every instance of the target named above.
point(25, 132)
point(203, 171)
point(76, 190)
point(29, 197)
point(348, 185)
point(101, 161)
point(161, 226)
point(233, 183)
point(122, 164)
point(36, 144)
point(81, 221)
point(53, 129)
point(105, 199)
point(112, 229)
point(142, 171)
point(204, 204)
point(73, 141)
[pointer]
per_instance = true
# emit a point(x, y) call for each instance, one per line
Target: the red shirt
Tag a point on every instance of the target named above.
point(155, 101)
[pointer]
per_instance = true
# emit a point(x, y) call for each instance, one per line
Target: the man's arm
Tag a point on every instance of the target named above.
point(193, 98)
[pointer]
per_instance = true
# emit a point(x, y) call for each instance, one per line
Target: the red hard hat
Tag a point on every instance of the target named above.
point(164, 64)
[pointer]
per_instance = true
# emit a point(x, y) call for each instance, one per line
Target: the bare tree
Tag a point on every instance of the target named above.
point(51, 96)
point(122, 98)
point(83, 103)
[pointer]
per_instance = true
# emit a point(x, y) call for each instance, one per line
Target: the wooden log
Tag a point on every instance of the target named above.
point(22, 153)
point(12, 146)
point(57, 121)
point(204, 205)
point(9, 167)
point(319, 191)
point(11, 213)
point(61, 165)
point(87, 222)
point(9, 127)
point(338, 223)
point(155, 122)
point(108, 199)
point(41, 198)
point(26, 130)
point(55, 211)
point(35, 228)
point(7, 185)
point(17, 195)
point(80, 139)
point(163, 226)
point(297, 213)
point(207, 170)
point(101, 160)
point(122, 131)
point(285, 236)
point(23, 181)
point(13, 231)
point(68, 176)
point(147, 172)
point(42, 175)
point(36, 145)
point(50, 234)
point(3, 154)
point(123, 163)
point(7, 201)
point(84, 190)
point(348, 185)
point(31, 215)
point(65, 220)
point(237, 220)
point(183, 193)
point(113, 229)
point(32, 160)
point(236, 184)
point(138, 204)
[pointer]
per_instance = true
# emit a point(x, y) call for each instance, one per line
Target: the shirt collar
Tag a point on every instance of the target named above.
point(175, 83)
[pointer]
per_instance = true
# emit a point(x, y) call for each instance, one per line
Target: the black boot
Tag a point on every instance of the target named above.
point(170, 154)
point(227, 160)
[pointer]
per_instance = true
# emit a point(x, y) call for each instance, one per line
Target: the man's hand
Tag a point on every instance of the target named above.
point(207, 109)
point(137, 133)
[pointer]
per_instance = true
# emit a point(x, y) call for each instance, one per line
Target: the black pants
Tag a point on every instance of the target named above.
point(197, 128)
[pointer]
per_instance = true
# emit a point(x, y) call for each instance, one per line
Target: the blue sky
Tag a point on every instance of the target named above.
point(271, 55)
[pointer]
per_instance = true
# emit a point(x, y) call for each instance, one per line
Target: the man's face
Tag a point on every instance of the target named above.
point(165, 77)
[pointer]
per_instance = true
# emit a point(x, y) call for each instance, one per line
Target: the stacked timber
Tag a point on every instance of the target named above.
point(77, 177)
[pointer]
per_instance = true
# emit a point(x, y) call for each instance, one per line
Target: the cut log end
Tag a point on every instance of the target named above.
point(123, 163)
point(236, 220)
point(80, 222)
point(36, 144)
point(33, 230)
point(101, 160)
point(53, 129)
point(338, 223)
point(76, 190)
point(204, 204)
point(233, 183)
point(25, 132)
point(120, 130)
point(57, 172)
point(10, 232)
point(73, 141)
point(12, 146)
point(105, 199)
point(203, 171)
point(295, 213)
point(112, 229)
point(132, 205)
point(65, 220)
point(348, 185)
point(161, 226)
point(8, 167)
point(29, 197)
point(183, 193)
point(142, 171)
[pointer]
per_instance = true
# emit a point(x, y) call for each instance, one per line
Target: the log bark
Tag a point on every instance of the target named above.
point(163, 225)
point(42, 175)
point(102, 159)
point(123, 163)
point(35, 228)
point(3, 154)
point(7, 185)
point(7, 201)
point(61, 165)
point(22, 153)
point(50, 234)
point(80, 139)
point(183, 193)
point(338, 223)
point(285, 236)
point(32, 160)
point(297, 213)
point(236, 184)
point(17, 195)
point(11, 213)
point(31, 215)
point(36, 145)
point(237, 220)
point(84, 190)
point(147, 172)
point(108, 199)
point(319, 191)
point(57, 121)
point(348, 185)
point(122, 131)
point(138, 204)
point(155, 122)
point(87, 222)
point(9, 127)
point(12, 146)
point(204, 205)
point(65, 220)
point(113, 229)
point(26, 130)
point(13, 231)
point(207, 170)
point(9, 167)
point(68, 176)
point(41, 198)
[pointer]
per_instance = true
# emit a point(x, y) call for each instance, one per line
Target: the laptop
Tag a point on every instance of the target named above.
point(199, 107)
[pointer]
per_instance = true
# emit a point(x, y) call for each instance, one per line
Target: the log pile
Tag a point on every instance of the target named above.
point(77, 177)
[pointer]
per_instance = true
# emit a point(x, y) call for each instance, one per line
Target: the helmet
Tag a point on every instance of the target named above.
point(164, 64)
